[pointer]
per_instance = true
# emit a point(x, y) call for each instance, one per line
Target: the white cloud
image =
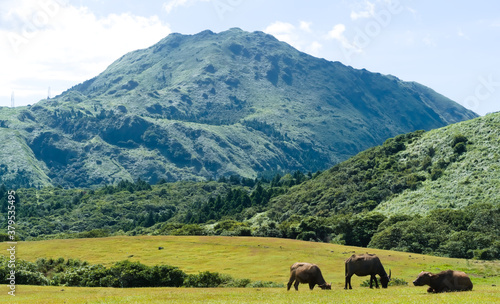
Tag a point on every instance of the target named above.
point(283, 31)
point(172, 4)
point(348, 48)
point(314, 48)
point(300, 36)
point(337, 32)
point(71, 45)
point(367, 11)
point(306, 26)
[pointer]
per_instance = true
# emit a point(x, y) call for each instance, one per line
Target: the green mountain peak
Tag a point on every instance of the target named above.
point(212, 104)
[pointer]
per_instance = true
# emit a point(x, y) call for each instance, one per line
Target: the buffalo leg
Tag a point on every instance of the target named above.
point(289, 284)
point(296, 285)
point(376, 282)
point(348, 281)
point(311, 285)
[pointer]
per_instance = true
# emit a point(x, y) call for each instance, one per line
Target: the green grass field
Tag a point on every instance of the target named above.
point(56, 295)
point(266, 259)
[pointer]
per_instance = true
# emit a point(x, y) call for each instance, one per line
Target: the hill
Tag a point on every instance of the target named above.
point(195, 107)
point(258, 259)
point(451, 167)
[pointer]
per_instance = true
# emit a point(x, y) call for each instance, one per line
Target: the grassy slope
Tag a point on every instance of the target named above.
point(471, 179)
point(254, 258)
point(468, 178)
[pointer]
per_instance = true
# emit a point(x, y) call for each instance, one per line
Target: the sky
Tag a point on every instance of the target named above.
point(451, 46)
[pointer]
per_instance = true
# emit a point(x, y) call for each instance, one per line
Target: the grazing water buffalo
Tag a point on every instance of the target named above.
point(363, 265)
point(448, 280)
point(307, 273)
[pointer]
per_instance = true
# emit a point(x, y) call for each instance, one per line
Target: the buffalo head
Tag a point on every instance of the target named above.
point(423, 278)
point(385, 280)
point(325, 286)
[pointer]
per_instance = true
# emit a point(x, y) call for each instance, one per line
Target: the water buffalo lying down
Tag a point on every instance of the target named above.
point(307, 273)
point(448, 280)
point(363, 265)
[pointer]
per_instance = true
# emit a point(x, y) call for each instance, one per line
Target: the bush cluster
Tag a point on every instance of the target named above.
point(468, 233)
point(61, 272)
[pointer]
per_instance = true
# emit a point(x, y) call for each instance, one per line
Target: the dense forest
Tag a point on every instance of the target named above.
point(243, 207)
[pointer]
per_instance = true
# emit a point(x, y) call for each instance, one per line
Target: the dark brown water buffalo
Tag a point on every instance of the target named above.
point(306, 273)
point(448, 280)
point(363, 265)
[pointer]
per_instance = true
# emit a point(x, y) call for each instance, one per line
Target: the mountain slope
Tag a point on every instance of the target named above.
point(469, 173)
point(206, 105)
point(450, 167)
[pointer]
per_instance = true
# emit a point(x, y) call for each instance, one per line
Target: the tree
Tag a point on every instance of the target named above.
point(150, 220)
point(361, 228)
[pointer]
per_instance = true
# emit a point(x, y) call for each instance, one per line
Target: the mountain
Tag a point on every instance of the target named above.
point(208, 105)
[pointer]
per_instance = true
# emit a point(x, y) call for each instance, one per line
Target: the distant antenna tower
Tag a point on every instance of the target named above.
point(48, 94)
point(12, 103)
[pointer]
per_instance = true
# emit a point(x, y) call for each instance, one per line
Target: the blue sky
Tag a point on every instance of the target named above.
point(451, 46)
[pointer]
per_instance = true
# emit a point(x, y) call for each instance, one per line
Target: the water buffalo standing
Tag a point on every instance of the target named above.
point(307, 273)
point(448, 280)
point(363, 265)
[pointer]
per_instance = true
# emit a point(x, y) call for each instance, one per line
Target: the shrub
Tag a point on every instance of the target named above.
point(307, 236)
point(166, 276)
point(131, 274)
point(458, 138)
point(393, 146)
point(88, 276)
point(26, 277)
point(189, 229)
point(205, 280)
point(490, 253)
point(436, 173)
point(238, 283)
point(459, 148)
point(313, 228)
point(361, 228)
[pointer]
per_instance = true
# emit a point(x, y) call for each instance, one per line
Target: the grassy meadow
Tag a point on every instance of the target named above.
point(266, 259)
point(57, 295)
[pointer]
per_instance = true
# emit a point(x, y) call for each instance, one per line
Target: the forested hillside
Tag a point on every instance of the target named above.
point(426, 192)
point(451, 167)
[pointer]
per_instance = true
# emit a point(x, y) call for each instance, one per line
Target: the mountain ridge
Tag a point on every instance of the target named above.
point(207, 105)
